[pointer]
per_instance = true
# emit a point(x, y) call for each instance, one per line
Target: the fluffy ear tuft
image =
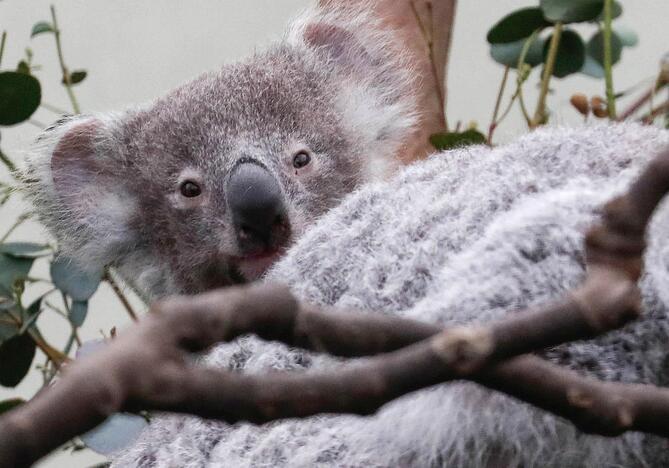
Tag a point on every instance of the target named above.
point(74, 176)
point(375, 82)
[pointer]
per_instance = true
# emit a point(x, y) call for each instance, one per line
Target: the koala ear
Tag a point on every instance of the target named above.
point(339, 43)
point(75, 177)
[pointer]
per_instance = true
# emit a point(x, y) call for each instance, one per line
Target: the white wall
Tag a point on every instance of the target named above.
point(136, 50)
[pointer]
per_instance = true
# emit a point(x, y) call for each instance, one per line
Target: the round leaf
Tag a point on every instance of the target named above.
point(20, 95)
point(517, 25)
point(73, 280)
point(11, 270)
point(78, 312)
point(571, 11)
point(117, 432)
point(76, 76)
point(444, 141)
point(616, 11)
point(8, 327)
point(570, 54)
point(595, 48)
point(6, 405)
point(16, 356)
point(25, 249)
point(627, 36)
point(41, 27)
point(592, 68)
point(509, 53)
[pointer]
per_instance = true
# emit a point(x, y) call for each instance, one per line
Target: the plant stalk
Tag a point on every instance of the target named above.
point(540, 112)
point(608, 62)
point(66, 74)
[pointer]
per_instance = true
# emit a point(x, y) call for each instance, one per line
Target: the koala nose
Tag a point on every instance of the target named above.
point(256, 204)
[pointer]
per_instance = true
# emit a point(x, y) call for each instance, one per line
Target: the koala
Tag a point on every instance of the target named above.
point(209, 185)
point(467, 236)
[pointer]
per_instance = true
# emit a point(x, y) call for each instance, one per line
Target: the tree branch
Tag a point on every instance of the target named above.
point(147, 368)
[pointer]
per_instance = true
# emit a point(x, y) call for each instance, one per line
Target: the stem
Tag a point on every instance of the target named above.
point(120, 295)
point(66, 74)
point(20, 220)
point(655, 112)
point(52, 108)
point(608, 62)
point(7, 162)
point(540, 112)
point(2, 44)
point(500, 94)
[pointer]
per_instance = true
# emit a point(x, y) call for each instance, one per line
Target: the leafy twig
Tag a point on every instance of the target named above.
point(20, 220)
point(121, 296)
point(608, 62)
point(2, 44)
point(498, 101)
point(540, 112)
point(67, 79)
point(7, 162)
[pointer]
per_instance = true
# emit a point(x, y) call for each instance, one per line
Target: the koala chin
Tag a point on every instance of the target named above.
point(209, 185)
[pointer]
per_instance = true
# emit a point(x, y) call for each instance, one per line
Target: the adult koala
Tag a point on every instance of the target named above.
point(467, 236)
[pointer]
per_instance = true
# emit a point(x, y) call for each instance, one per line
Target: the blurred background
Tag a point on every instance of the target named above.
point(136, 51)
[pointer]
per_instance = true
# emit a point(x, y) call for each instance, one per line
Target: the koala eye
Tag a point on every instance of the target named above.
point(301, 159)
point(190, 189)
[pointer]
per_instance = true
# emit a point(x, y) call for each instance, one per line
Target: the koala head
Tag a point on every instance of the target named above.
point(210, 184)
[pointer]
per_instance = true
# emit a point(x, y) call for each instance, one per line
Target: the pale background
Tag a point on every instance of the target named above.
point(136, 50)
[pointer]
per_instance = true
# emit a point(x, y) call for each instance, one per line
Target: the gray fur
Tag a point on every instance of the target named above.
point(106, 184)
point(466, 236)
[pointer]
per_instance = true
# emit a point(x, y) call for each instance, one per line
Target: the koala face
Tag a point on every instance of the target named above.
point(210, 184)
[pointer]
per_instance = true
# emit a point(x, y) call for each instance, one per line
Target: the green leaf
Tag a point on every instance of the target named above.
point(25, 249)
point(570, 55)
point(517, 25)
point(20, 95)
point(40, 28)
point(616, 11)
point(628, 38)
point(12, 269)
point(23, 67)
point(444, 141)
point(509, 53)
point(76, 76)
point(32, 314)
point(592, 68)
point(73, 280)
point(8, 327)
point(571, 11)
point(6, 405)
point(595, 48)
point(16, 356)
point(78, 312)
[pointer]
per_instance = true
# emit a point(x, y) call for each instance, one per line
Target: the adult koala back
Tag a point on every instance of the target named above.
point(466, 236)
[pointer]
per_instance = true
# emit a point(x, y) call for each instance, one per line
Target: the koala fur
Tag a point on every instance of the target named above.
point(106, 185)
point(467, 236)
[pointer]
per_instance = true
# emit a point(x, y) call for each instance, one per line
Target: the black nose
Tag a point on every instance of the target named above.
point(256, 204)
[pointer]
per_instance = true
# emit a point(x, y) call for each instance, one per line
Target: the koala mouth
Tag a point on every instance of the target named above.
point(254, 266)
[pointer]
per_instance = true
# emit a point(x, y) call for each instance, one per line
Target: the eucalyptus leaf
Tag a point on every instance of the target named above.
point(12, 403)
point(592, 68)
point(20, 95)
point(517, 25)
point(23, 67)
point(595, 48)
point(41, 28)
point(444, 141)
point(616, 11)
point(25, 249)
point(117, 432)
point(571, 11)
point(16, 356)
point(509, 53)
point(8, 327)
point(76, 76)
point(570, 54)
point(11, 270)
point(74, 281)
point(78, 312)
point(32, 314)
point(628, 37)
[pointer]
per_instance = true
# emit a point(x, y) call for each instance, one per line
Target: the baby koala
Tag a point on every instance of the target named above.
point(210, 184)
